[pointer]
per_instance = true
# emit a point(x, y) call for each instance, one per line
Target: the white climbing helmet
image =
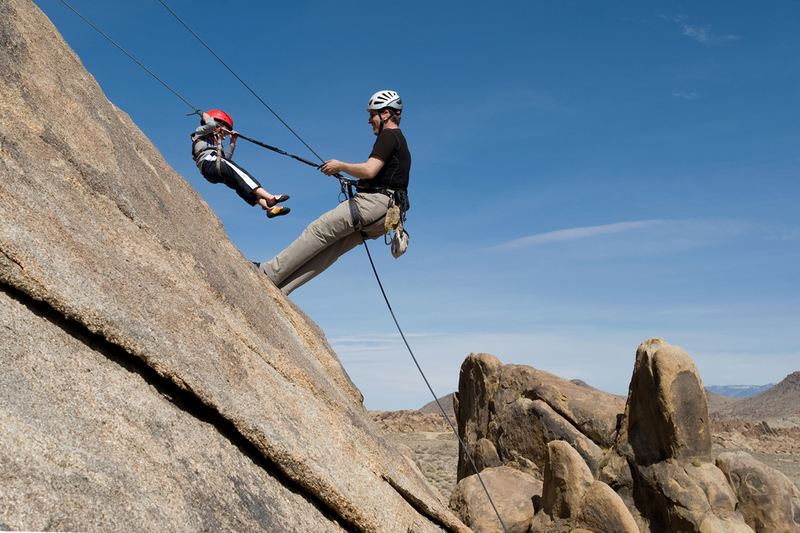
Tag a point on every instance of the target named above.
point(383, 99)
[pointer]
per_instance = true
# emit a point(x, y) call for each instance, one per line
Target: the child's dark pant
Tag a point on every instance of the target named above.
point(225, 171)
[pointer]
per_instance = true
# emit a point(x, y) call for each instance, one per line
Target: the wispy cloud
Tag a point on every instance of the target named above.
point(577, 233)
point(704, 35)
point(679, 18)
point(701, 34)
point(686, 96)
point(792, 234)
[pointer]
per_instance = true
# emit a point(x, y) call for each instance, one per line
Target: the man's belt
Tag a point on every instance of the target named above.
point(375, 190)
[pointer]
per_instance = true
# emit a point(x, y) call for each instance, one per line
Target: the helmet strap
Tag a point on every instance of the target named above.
point(380, 114)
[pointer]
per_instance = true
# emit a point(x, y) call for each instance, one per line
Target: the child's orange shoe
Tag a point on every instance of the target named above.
point(277, 211)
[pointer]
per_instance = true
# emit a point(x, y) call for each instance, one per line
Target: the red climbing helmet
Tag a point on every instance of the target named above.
point(221, 115)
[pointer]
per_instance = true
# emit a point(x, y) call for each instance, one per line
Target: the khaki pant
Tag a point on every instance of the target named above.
point(325, 240)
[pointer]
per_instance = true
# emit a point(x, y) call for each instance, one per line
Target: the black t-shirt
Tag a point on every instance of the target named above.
point(391, 148)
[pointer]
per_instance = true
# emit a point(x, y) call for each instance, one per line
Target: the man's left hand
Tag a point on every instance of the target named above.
point(331, 167)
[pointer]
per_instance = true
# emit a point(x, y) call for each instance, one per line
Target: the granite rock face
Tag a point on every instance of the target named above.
point(93, 440)
point(151, 379)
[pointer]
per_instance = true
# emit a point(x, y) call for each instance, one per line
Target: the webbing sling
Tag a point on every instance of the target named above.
point(354, 214)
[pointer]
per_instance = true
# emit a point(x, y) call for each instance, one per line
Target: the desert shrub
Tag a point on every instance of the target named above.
point(437, 454)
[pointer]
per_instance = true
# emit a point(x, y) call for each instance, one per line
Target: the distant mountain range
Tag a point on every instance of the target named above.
point(739, 391)
point(780, 402)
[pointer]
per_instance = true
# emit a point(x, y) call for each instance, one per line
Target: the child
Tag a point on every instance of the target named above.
point(216, 166)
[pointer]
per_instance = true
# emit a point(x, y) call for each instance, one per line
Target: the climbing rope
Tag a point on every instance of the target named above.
point(279, 151)
point(240, 79)
point(452, 426)
point(344, 181)
point(195, 110)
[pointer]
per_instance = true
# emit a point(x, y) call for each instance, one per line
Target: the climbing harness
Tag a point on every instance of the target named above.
point(394, 234)
point(347, 185)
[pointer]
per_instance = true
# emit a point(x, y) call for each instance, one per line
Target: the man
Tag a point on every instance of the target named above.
point(336, 232)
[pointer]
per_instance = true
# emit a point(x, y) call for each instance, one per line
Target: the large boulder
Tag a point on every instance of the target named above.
point(520, 409)
point(666, 416)
point(603, 510)
point(686, 497)
point(566, 480)
point(478, 382)
point(666, 440)
point(515, 495)
point(768, 500)
point(92, 440)
point(151, 378)
point(528, 427)
point(571, 498)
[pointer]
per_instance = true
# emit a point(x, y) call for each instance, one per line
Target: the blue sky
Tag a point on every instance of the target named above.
point(586, 175)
